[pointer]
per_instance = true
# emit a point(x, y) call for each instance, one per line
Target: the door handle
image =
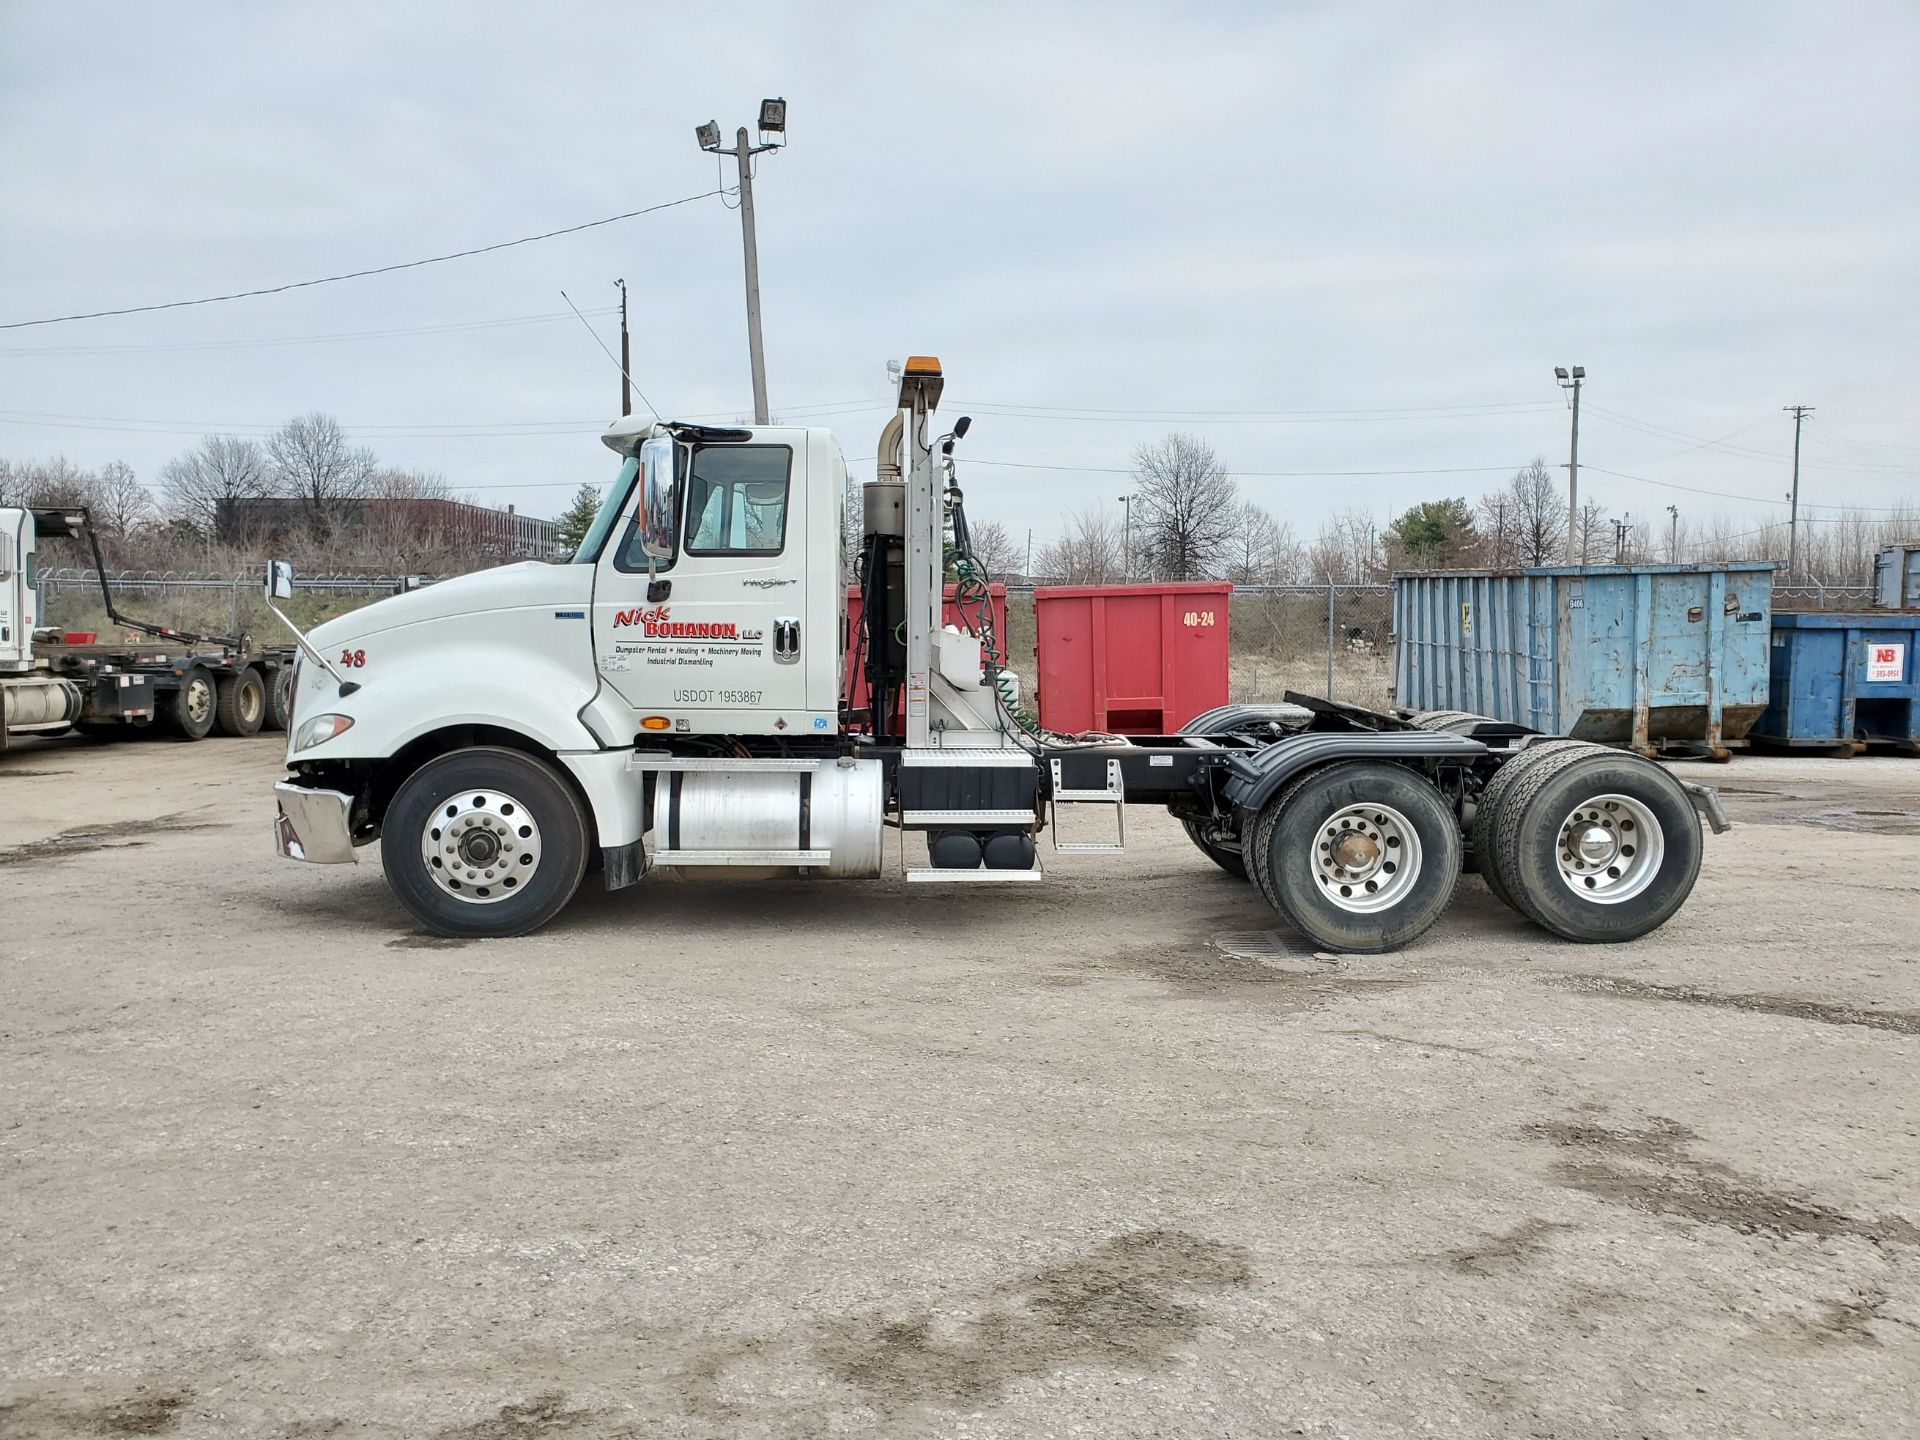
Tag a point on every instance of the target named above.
point(786, 639)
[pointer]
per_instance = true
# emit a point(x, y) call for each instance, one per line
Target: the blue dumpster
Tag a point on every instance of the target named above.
point(1655, 657)
point(1844, 680)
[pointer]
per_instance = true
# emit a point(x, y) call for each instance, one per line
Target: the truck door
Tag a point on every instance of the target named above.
point(17, 608)
point(722, 649)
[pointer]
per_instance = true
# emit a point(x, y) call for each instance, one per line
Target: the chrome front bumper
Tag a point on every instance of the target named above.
point(312, 825)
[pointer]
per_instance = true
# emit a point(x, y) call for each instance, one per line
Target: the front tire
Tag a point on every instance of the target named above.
point(1596, 846)
point(1359, 856)
point(191, 710)
point(484, 843)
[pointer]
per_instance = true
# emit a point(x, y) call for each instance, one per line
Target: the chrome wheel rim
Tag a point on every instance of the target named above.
point(1366, 858)
point(1609, 848)
point(481, 846)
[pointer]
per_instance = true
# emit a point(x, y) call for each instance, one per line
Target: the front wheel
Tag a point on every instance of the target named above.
point(1596, 846)
point(191, 709)
point(484, 843)
point(1359, 856)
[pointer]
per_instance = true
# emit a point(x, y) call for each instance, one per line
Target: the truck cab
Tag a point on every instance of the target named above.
point(719, 610)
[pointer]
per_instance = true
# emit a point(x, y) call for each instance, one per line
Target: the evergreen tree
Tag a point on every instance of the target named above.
point(579, 516)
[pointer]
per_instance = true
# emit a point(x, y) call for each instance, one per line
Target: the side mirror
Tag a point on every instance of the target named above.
point(279, 580)
point(659, 496)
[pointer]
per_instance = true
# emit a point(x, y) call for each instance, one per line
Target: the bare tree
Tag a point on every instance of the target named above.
point(993, 547)
point(1347, 551)
point(1185, 508)
point(309, 460)
point(1532, 518)
point(1595, 544)
point(201, 485)
point(121, 504)
point(1261, 551)
point(1087, 552)
point(55, 482)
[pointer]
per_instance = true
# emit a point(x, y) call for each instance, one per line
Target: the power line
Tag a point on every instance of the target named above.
point(1101, 412)
point(1253, 474)
point(454, 327)
point(1744, 452)
point(1172, 417)
point(1745, 499)
point(361, 274)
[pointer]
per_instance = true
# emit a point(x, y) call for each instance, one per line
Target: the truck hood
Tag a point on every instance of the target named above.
point(507, 587)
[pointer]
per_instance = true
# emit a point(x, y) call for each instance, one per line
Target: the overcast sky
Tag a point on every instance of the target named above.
point(1131, 214)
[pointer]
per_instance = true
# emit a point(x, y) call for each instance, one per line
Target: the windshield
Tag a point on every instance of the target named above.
point(609, 511)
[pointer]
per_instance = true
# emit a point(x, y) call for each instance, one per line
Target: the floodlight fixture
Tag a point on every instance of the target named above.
point(773, 116)
point(708, 135)
point(1579, 372)
point(1559, 372)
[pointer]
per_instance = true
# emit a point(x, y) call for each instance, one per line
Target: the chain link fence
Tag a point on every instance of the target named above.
point(1816, 596)
point(206, 604)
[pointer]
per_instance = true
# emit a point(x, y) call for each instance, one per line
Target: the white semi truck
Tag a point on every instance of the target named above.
point(676, 699)
point(170, 681)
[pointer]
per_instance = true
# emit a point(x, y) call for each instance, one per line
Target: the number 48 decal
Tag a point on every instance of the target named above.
point(353, 659)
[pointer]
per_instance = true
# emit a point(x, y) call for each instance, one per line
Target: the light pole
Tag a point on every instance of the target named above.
point(1799, 413)
point(626, 362)
point(1570, 380)
point(773, 121)
point(1126, 538)
point(1673, 535)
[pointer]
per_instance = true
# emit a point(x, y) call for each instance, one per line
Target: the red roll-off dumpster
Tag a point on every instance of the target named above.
point(1130, 659)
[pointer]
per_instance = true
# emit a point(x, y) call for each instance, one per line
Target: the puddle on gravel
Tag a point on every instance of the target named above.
point(53, 1416)
point(84, 839)
point(1507, 1250)
point(1649, 1168)
point(1819, 812)
point(543, 1414)
point(1898, 1022)
point(1126, 1304)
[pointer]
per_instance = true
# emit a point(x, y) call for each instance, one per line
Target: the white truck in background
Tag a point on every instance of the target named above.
point(170, 681)
point(675, 699)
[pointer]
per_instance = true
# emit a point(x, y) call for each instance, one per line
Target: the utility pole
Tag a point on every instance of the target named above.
point(1571, 380)
point(1620, 529)
point(1799, 413)
point(1027, 574)
point(1126, 538)
point(1673, 535)
point(773, 121)
point(626, 359)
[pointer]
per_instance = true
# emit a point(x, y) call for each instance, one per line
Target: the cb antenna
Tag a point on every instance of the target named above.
point(609, 354)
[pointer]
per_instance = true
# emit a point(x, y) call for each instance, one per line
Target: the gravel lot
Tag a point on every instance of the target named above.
point(840, 1159)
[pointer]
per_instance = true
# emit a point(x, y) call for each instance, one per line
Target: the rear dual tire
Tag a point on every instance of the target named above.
point(1592, 844)
point(1230, 858)
point(241, 708)
point(1358, 856)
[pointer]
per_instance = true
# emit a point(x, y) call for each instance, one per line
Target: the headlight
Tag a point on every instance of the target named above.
point(321, 729)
